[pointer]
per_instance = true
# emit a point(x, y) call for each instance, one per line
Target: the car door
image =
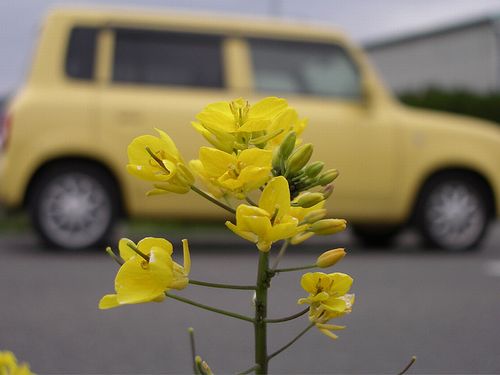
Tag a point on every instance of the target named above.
point(159, 79)
point(349, 131)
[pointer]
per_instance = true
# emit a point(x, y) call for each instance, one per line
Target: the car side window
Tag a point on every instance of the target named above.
point(80, 55)
point(167, 58)
point(304, 68)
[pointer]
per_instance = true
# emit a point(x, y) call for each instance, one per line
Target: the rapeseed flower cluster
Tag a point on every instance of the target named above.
point(258, 169)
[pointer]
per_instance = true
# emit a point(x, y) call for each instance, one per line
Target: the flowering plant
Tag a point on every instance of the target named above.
point(9, 365)
point(256, 151)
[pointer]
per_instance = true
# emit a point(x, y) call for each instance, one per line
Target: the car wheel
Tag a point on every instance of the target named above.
point(453, 212)
point(375, 236)
point(74, 206)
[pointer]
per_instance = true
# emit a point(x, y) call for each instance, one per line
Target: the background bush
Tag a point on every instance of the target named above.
point(485, 106)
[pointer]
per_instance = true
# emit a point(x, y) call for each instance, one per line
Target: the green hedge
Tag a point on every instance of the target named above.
point(485, 106)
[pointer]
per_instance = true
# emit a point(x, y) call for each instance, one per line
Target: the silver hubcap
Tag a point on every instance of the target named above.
point(455, 215)
point(75, 210)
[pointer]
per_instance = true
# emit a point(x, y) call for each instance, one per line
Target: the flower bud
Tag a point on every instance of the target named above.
point(287, 145)
point(202, 366)
point(299, 159)
point(301, 237)
point(330, 258)
point(328, 226)
point(327, 177)
point(276, 163)
point(312, 170)
point(307, 200)
point(315, 215)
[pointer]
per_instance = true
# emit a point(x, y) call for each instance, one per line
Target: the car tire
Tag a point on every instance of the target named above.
point(375, 236)
point(74, 206)
point(453, 212)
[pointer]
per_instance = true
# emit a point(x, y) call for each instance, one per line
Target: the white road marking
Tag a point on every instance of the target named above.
point(492, 268)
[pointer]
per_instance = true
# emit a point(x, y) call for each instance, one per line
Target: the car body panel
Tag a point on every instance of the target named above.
point(384, 151)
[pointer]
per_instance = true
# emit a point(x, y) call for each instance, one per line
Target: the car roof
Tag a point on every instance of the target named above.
point(200, 21)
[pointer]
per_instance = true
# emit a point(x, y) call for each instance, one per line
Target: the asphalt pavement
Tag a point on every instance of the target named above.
point(442, 307)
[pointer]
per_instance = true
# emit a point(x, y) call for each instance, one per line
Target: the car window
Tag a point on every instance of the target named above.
point(80, 55)
point(304, 68)
point(167, 58)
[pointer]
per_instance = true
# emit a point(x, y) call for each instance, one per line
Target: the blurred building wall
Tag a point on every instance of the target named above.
point(459, 56)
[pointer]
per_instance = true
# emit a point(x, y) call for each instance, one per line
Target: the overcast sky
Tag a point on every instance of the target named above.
point(362, 19)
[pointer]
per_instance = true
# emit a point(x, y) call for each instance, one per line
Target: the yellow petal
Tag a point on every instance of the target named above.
point(252, 178)
point(331, 327)
point(341, 283)
point(329, 334)
point(276, 195)
point(283, 230)
point(246, 210)
point(334, 305)
point(268, 107)
point(255, 125)
point(220, 121)
point(146, 244)
point(256, 157)
point(169, 145)
point(229, 183)
point(216, 162)
point(147, 173)
point(259, 225)
point(169, 188)
point(137, 281)
point(285, 120)
point(309, 281)
point(108, 301)
point(125, 251)
point(186, 255)
point(249, 236)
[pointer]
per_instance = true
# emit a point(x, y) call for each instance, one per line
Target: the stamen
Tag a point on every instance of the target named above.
point(157, 159)
point(137, 251)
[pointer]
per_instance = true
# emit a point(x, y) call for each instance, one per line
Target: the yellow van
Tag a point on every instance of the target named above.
point(100, 78)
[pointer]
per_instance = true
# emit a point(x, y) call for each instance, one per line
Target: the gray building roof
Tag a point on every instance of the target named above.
point(460, 55)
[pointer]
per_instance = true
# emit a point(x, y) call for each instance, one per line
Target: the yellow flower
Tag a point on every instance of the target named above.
point(141, 280)
point(247, 171)
point(271, 220)
point(234, 125)
point(328, 298)
point(157, 159)
point(197, 167)
point(10, 366)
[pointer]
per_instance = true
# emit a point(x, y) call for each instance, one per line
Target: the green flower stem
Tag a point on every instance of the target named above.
point(213, 200)
point(251, 369)
point(294, 268)
point(210, 308)
point(280, 254)
point(260, 324)
point(291, 342)
point(222, 286)
point(291, 317)
point(193, 350)
point(412, 361)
